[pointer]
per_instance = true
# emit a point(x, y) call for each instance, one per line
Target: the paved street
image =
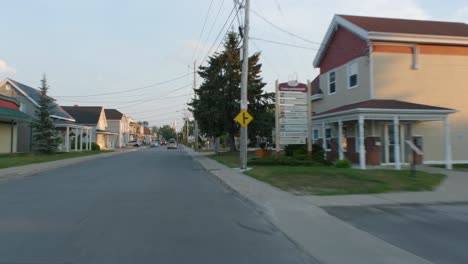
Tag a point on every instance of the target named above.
point(437, 233)
point(149, 206)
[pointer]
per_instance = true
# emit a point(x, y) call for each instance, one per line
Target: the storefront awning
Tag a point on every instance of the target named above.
point(8, 114)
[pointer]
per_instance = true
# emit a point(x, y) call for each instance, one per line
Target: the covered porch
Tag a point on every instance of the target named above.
point(72, 133)
point(379, 132)
point(106, 139)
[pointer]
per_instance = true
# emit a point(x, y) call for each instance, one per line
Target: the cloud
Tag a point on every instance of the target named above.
point(5, 68)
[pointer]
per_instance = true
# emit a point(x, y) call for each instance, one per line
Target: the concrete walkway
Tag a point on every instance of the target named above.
point(323, 236)
point(19, 171)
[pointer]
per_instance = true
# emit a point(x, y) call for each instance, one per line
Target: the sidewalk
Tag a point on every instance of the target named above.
point(324, 237)
point(19, 171)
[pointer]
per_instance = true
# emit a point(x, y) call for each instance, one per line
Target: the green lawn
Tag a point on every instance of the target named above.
point(20, 159)
point(230, 159)
point(333, 181)
point(322, 180)
point(455, 166)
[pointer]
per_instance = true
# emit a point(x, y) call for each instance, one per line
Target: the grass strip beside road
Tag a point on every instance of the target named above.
point(20, 159)
point(323, 180)
point(230, 159)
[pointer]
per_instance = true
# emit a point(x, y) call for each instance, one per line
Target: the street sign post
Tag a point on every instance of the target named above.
point(243, 118)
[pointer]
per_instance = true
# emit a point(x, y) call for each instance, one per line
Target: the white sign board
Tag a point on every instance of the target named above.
point(291, 141)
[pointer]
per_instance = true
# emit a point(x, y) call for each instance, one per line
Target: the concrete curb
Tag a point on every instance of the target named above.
point(11, 173)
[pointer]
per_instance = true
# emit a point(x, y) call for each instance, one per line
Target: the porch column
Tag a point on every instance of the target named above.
point(76, 139)
point(89, 139)
point(81, 139)
point(362, 149)
point(324, 140)
point(67, 140)
point(340, 140)
point(396, 140)
point(448, 144)
point(12, 136)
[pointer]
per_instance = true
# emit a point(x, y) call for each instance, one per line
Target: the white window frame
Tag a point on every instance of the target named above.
point(22, 107)
point(315, 135)
point(329, 82)
point(349, 73)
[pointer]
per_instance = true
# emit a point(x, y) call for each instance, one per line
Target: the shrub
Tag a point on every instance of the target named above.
point(344, 163)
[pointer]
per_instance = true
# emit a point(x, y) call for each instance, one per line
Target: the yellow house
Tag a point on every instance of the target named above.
point(390, 86)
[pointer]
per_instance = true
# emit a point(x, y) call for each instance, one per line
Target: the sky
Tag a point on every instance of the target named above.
point(94, 52)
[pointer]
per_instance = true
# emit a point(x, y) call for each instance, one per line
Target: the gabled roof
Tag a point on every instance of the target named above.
point(396, 30)
point(381, 104)
point(34, 96)
point(113, 114)
point(85, 115)
point(408, 26)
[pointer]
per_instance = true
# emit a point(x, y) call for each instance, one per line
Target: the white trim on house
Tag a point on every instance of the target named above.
point(316, 97)
point(385, 111)
point(371, 70)
point(381, 36)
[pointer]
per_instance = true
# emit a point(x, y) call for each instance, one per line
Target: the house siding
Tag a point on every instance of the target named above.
point(344, 46)
point(440, 80)
point(5, 137)
point(24, 129)
point(344, 95)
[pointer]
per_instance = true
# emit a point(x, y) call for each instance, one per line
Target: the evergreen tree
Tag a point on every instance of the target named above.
point(46, 139)
point(219, 95)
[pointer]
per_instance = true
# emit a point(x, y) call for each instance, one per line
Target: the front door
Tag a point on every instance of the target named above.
point(389, 148)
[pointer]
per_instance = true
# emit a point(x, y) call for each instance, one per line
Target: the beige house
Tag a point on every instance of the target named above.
point(120, 124)
point(95, 118)
point(388, 86)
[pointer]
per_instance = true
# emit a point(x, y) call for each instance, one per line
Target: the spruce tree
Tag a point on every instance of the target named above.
point(46, 139)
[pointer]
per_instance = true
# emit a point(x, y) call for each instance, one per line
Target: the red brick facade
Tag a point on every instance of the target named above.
point(343, 47)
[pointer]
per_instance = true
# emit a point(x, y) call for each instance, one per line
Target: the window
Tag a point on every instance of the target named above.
point(331, 83)
point(328, 136)
point(352, 70)
point(315, 135)
point(8, 87)
point(23, 107)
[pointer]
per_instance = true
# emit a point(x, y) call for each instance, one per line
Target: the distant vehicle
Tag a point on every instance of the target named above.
point(134, 143)
point(154, 144)
point(172, 144)
point(163, 142)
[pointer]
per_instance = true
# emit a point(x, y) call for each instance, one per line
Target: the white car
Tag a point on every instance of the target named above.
point(154, 144)
point(134, 143)
point(172, 144)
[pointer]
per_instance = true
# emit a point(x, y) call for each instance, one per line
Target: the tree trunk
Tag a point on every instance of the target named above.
point(232, 143)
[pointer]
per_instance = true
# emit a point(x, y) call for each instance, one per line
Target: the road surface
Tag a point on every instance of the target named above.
point(149, 206)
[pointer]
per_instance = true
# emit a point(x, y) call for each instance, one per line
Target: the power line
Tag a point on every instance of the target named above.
point(219, 34)
point(284, 43)
point(203, 29)
point(130, 90)
point(212, 26)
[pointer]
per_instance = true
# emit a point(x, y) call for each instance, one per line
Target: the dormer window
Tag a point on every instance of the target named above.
point(352, 70)
point(331, 82)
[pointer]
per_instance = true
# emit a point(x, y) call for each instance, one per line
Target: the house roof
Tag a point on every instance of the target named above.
point(396, 30)
point(88, 115)
point(384, 105)
point(408, 26)
point(34, 96)
point(113, 114)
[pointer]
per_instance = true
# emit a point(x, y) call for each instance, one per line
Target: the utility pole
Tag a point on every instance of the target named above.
point(195, 129)
point(244, 78)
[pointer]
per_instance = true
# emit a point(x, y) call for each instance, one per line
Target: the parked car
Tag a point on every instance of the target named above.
point(154, 144)
point(172, 144)
point(134, 143)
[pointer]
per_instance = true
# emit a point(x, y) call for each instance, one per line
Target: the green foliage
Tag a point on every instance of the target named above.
point(344, 163)
point(45, 136)
point(217, 100)
point(167, 132)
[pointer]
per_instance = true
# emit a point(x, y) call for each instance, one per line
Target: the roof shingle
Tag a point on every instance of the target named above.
point(113, 114)
point(85, 115)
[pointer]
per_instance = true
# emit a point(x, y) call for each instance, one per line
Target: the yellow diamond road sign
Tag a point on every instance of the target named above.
point(243, 118)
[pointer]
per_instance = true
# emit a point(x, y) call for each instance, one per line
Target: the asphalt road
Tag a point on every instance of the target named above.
point(438, 233)
point(149, 206)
